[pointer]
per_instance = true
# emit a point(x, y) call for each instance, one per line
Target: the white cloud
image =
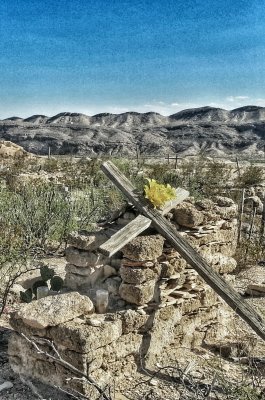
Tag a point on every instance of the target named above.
point(237, 98)
point(242, 98)
point(260, 101)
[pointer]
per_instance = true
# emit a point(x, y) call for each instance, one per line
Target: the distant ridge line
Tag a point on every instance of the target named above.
point(179, 114)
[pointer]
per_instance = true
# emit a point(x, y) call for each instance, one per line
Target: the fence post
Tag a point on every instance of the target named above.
point(241, 215)
point(176, 162)
point(262, 226)
point(238, 169)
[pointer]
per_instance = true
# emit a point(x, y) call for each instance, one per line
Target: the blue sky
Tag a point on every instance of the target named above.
point(119, 55)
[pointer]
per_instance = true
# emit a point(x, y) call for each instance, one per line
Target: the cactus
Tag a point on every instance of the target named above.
point(26, 296)
point(56, 283)
point(46, 272)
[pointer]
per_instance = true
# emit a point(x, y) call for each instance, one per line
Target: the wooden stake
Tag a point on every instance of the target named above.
point(238, 169)
point(241, 211)
point(176, 162)
point(262, 226)
point(252, 222)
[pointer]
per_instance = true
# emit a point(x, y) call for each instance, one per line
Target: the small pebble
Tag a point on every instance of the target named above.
point(153, 382)
point(94, 322)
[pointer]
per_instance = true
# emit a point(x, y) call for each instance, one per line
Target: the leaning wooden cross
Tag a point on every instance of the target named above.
point(156, 218)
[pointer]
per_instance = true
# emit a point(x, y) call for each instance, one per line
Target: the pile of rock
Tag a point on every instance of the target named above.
point(140, 269)
point(254, 198)
point(159, 302)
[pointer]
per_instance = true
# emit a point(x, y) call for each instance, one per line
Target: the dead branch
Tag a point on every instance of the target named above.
point(59, 360)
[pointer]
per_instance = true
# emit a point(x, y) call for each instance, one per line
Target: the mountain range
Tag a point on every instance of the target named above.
point(205, 130)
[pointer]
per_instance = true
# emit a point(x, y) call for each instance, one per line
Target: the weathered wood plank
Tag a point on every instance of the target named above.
point(125, 235)
point(219, 285)
point(181, 194)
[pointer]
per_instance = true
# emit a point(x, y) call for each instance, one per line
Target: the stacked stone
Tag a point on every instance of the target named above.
point(166, 305)
point(85, 266)
point(105, 347)
point(191, 307)
point(210, 226)
point(140, 270)
point(254, 198)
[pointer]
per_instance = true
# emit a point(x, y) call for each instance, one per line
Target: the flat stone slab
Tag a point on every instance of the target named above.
point(87, 240)
point(54, 310)
point(257, 287)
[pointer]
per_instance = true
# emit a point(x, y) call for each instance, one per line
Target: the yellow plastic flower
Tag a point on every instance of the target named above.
point(158, 193)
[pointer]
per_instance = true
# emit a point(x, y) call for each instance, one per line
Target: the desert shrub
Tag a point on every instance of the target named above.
point(40, 213)
point(51, 165)
point(253, 175)
point(159, 172)
point(249, 252)
point(36, 219)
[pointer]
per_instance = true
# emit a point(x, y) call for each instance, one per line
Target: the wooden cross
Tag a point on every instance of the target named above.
point(151, 216)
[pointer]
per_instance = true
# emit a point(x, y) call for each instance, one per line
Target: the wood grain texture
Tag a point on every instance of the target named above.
point(218, 284)
point(181, 194)
point(125, 235)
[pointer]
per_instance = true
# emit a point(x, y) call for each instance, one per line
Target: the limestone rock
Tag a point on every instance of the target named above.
point(85, 338)
point(257, 290)
point(186, 214)
point(73, 269)
point(87, 240)
point(222, 201)
point(228, 212)
point(219, 235)
point(132, 321)
point(74, 281)
point(54, 310)
point(137, 294)
point(109, 271)
point(127, 344)
point(257, 287)
point(221, 207)
point(112, 285)
point(24, 360)
point(220, 263)
point(139, 275)
point(251, 202)
point(144, 248)
point(162, 332)
point(82, 258)
point(204, 204)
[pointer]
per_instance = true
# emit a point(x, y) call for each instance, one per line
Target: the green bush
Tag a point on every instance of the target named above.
point(253, 175)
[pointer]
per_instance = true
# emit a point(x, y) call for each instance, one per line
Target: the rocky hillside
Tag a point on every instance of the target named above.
point(207, 130)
